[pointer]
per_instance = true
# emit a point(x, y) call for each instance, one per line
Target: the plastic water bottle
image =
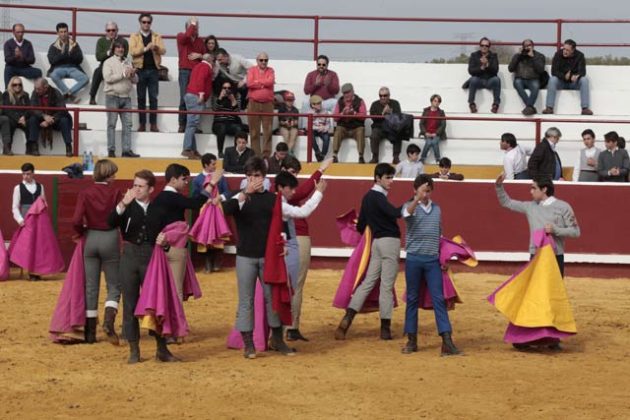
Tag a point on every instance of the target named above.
point(90, 162)
point(85, 160)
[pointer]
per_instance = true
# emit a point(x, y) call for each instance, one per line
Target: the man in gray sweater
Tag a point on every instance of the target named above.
point(544, 212)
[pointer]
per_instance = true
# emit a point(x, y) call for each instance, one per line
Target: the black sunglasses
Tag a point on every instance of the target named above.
point(384, 96)
point(485, 45)
point(16, 84)
point(146, 21)
point(112, 30)
point(263, 60)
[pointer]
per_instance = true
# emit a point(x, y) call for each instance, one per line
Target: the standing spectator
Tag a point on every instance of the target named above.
point(528, 66)
point(15, 96)
point(45, 96)
point(515, 158)
point(351, 126)
point(483, 67)
point(383, 106)
point(260, 82)
point(19, 57)
point(119, 79)
point(274, 162)
point(104, 50)
point(568, 71)
point(321, 127)
point(147, 48)
point(190, 49)
point(288, 125)
point(585, 169)
point(544, 160)
point(412, 167)
point(613, 164)
point(432, 128)
point(236, 156)
point(233, 68)
point(444, 171)
point(227, 101)
point(65, 57)
point(322, 82)
point(198, 92)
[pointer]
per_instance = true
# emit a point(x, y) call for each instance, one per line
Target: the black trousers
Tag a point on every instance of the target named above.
point(133, 267)
point(97, 79)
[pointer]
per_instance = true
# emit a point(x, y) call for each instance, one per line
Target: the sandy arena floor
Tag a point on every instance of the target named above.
point(362, 377)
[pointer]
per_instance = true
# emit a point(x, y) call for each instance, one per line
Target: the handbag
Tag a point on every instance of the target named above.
point(163, 74)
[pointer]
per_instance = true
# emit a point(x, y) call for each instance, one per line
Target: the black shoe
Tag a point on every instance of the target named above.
point(335, 159)
point(92, 100)
point(448, 347)
point(181, 129)
point(344, 325)
point(162, 353)
point(220, 155)
point(555, 347)
point(319, 157)
point(134, 352)
point(412, 344)
point(522, 346)
point(374, 159)
point(108, 325)
point(111, 153)
point(68, 150)
point(249, 351)
point(90, 330)
point(130, 154)
point(277, 343)
point(294, 334)
point(361, 160)
point(386, 332)
point(34, 277)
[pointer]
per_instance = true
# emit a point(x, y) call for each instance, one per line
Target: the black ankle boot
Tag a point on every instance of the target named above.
point(249, 350)
point(448, 348)
point(134, 352)
point(162, 353)
point(344, 325)
point(386, 332)
point(68, 150)
point(108, 325)
point(412, 344)
point(277, 342)
point(90, 330)
point(294, 334)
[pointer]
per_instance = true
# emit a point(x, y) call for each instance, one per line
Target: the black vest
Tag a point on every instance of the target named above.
point(26, 198)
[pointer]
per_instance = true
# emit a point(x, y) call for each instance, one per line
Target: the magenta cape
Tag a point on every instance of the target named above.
point(347, 226)
point(261, 329)
point(4, 260)
point(210, 230)
point(68, 318)
point(34, 246)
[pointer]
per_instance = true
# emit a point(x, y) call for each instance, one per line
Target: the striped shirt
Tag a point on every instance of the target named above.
point(424, 228)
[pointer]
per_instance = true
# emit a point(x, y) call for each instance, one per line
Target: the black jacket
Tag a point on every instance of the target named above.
point(560, 65)
point(132, 223)
point(234, 163)
point(377, 109)
point(474, 65)
point(542, 162)
point(68, 56)
point(15, 114)
point(525, 67)
point(55, 100)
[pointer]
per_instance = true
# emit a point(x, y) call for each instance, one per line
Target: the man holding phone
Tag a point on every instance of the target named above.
point(528, 66)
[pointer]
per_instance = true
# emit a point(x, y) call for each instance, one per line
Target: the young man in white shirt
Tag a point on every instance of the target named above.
point(515, 158)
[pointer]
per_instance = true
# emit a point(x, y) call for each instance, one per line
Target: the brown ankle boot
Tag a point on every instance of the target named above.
point(344, 325)
point(162, 353)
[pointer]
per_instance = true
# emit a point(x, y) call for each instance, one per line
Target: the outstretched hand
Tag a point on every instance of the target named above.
point(325, 164)
point(500, 179)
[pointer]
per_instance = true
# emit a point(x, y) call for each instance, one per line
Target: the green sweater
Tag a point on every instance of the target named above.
point(104, 48)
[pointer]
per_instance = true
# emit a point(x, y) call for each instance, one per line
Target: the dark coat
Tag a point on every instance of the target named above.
point(542, 162)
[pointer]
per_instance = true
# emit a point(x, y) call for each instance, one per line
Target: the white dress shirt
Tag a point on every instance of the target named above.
point(31, 187)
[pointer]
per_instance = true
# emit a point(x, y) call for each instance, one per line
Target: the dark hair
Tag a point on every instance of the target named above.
point(589, 132)
point(207, 158)
point(621, 143)
point(255, 164)
point(571, 43)
point(241, 135)
point(291, 163)
point(435, 95)
point(147, 175)
point(611, 136)
point(412, 148)
point(282, 147)
point(323, 57)
point(545, 182)
point(143, 15)
point(285, 179)
point(219, 50)
point(28, 166)
point(175, 170)
point(117, 43)
point(509, 138)
point(485, 39)
point(445, 163)
point(422, 179)
point(527, 40)
point(216, 44)
point(61, 25)
point(16, 24)
point(383, 169)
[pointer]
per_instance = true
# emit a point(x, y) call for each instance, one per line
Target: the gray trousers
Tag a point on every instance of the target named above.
point(133, 267)
point(101, 252)
point(119, 105)
point(304, 245)
point(247, 271)
point(384, 266)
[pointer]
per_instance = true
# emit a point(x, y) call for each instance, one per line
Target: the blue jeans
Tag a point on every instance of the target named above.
point(556, 84)
point(426, 268)
point(74, 73)
point(183, 78)
point(325, 136)
point(534, 87)
point(26, 72)
point(431, 143)
point(148, 80)
point(117, 105)
point(192, 122)
point(63, 124)
point(493, 83)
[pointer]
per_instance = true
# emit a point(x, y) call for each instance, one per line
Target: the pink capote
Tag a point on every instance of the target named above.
point(347, 226)
point(261, 328)
point(4, 260)
point(34, 246)
point(68, 317)
point(211, 229)
point(158, 298)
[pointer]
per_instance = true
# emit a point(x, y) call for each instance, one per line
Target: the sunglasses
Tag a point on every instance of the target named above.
point(384, 96)
point(321, 64)
point(146, 22)
point(484, 45)
point(263, 60)
point(17, 84)
point(112, 30)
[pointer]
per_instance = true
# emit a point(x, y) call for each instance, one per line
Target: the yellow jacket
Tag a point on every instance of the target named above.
point(136, 49)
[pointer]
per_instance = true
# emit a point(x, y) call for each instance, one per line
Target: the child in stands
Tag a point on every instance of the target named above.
point(445, 171)
point(288, 125)
point(412, 167)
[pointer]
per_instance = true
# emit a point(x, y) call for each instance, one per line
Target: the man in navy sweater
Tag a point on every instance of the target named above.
point(19, 57)
point(380, 216)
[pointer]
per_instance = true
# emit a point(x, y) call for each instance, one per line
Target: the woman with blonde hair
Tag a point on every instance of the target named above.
point(15, 96)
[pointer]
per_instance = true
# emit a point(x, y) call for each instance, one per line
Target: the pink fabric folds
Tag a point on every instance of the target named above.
point(347, 226)
point(261, 328)
point(68, 318)
point(34, 246)
point(211, 228)
point(177, 235)
point(4, 260)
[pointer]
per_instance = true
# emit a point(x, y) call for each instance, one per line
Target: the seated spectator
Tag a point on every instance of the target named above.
point(288, 125)
point(198, 92)
point(321, 127)
point(212, 45)
point(274, 163)
point(613, 164)
point(104, 50)
point(528, 67)
point(260, 82)
point(483, 67)
point(383, 106)
point(585, 169)
point(45, 95)
point(445, 171)
point(228, 100)
point(515, 158)
point(352, 126)
point(432, 128)
point(119, 80)
point(323, 83)
point(19, 57)
point(233, 68)
point(190, 49)
point(15, 96)
point(412, 166)
point(65, 57)
point(568, 71)
point(5, 132)
point(545, 161)
point(235, 157)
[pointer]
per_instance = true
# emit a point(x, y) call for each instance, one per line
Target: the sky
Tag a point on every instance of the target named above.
point(337, 29)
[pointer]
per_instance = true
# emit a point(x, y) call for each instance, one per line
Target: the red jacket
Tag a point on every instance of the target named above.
point(260, 84)
point(186, 45)
point(328, 86)
point(94, 204)
point(201, 80)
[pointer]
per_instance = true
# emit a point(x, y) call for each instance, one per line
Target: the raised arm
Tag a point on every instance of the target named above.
point(506, 201)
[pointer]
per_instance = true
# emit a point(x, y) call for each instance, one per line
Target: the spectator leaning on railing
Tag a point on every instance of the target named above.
point(15, 96)
point(19, 56)
point(45, 95)
point(190, 49)
point(104, 50)
point(65, 57)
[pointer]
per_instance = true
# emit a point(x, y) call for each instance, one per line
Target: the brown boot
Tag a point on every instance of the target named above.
point(344, 325)
point(154, 128)
point(108, 325)
point(142, 128)
point(162, 353)
point(35, 149)
point(134, 352)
